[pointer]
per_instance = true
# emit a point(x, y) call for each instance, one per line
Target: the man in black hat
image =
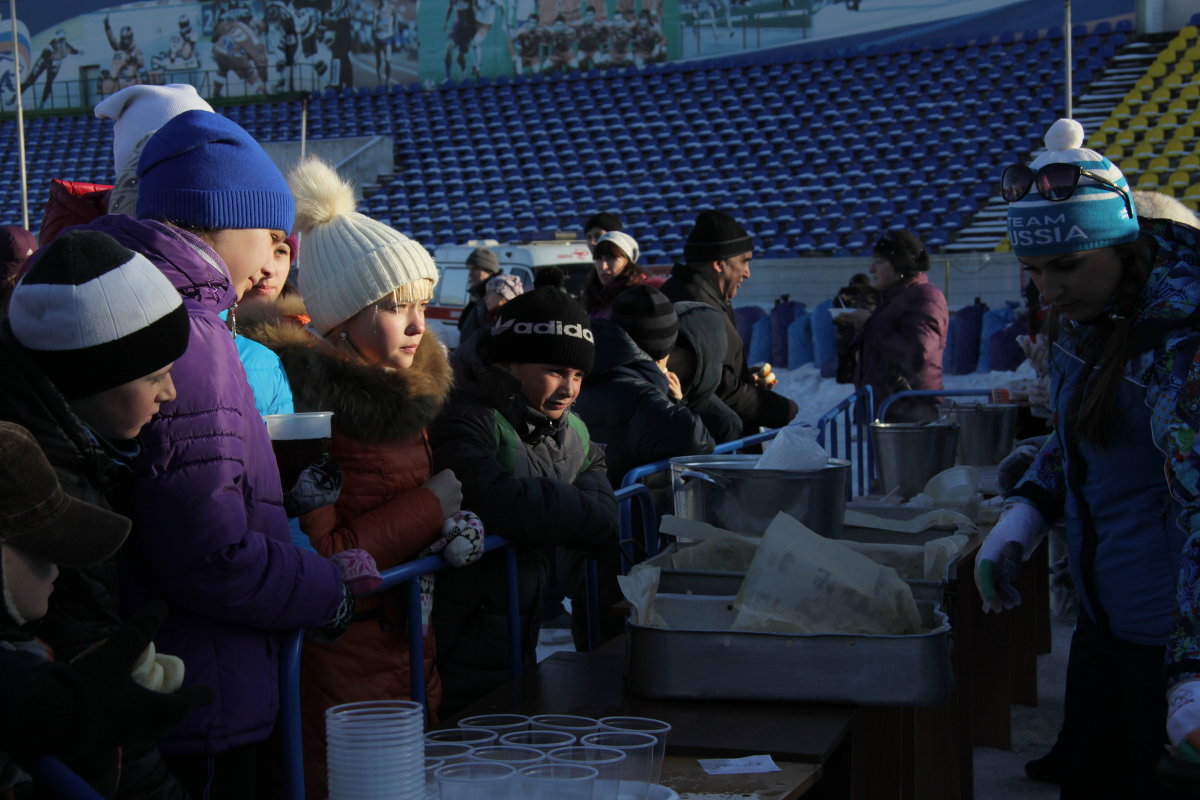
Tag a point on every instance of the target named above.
point(716, 258)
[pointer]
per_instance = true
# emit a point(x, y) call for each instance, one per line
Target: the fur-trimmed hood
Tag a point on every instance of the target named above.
point(368, 402)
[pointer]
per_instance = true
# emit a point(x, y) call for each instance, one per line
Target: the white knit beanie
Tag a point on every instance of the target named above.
point(347, 260)
point(138, 110)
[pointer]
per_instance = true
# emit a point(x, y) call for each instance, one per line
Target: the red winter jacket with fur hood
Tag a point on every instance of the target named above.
point(380, 417)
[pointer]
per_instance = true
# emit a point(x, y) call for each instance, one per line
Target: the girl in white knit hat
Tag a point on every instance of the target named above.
point(367, 357)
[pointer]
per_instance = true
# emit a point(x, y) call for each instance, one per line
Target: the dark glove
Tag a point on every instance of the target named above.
point(332, 630)
point(319, 484)
point(1012, 468)
point(93, 703)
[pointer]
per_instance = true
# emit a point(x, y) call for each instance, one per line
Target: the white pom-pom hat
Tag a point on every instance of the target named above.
point(348, 260)
point(1094, 216)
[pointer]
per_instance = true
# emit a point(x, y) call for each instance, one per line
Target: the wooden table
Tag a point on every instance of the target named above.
point(811, 740)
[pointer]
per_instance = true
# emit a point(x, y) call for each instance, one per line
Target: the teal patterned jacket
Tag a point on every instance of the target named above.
point(1166, 361)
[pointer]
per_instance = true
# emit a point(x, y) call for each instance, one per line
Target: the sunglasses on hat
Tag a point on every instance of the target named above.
point(1055, 182)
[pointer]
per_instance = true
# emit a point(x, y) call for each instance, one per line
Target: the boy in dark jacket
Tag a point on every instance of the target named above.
point(529, 471)
point(87, 352)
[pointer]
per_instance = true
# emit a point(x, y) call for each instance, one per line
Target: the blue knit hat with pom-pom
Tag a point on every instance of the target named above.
point(1094, 216)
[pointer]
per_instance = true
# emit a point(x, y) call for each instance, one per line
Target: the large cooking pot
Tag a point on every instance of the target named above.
point(986, 431)
point(910, 453)
point(727, 491)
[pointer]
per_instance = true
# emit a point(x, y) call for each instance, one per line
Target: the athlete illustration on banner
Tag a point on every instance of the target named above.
point(49, 62)
point(127, 60)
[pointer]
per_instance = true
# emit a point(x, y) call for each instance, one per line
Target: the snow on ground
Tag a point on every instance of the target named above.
point(816, 395)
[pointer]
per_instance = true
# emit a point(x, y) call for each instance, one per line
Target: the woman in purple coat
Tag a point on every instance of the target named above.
point(900, 344)
point(210, 535)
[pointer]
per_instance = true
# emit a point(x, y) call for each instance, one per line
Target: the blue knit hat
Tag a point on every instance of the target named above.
point(202, 169)
point(1094, 216)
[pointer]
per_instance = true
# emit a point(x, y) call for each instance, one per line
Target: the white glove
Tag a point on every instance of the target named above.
point(1183, 715)
point(158, 672)
point(998, 563)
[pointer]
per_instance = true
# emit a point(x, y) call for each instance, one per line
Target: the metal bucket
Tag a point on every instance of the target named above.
point(986, 431)
point(910, 453)
point(727, 491)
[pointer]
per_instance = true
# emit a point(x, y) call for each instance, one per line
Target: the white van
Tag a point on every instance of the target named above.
point(522, 260)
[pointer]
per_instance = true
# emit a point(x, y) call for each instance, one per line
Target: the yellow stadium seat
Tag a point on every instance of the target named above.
point(1143, 87)
point(1179, 180)
point(1144, 150)
point(1190, 163)
point(1156, 135)
point(1161, 95)
point(1157, 70)
point(1120, 113)
point(1188, 32)
point(1190, 92)
point(1148, 180)
point(1138, 124)
point(1192, 194)
point(1126, 138)
point(1169, 120)
point(1180, 106)
point(1176, 148)
point(1159, 164)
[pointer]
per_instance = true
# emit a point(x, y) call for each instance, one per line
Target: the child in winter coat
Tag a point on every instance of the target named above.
point(367, 357)
point(87, 353)
point(210, 534)
point(530, 471)
point(84, 710)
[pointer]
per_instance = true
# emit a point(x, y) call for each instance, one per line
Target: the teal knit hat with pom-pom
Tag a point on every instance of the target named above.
point(1094, 216)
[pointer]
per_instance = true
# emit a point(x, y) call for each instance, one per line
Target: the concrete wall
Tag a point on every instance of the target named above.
point(362, 159)
point(992, 277)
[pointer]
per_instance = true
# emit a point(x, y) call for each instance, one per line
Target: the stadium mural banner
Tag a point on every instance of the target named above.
point(74, 52)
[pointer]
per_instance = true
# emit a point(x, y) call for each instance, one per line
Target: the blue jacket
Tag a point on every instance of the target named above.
point(1143, 488)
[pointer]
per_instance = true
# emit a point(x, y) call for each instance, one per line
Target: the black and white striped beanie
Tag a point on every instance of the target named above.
point(93, 314)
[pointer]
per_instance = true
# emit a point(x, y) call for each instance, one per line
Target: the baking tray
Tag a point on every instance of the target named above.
point(710, 662)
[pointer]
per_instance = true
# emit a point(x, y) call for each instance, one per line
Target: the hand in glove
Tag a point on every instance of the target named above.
point(998, 563)
point(158, 672)
point(1183, 720)
point(1012, 468)
point(319, 484)
point(93, 703)
point(461, 542)
point(358, 571)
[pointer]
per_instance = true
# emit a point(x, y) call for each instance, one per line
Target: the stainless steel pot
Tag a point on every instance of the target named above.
point(726, 491)
point(986, 431)
point(910, 453)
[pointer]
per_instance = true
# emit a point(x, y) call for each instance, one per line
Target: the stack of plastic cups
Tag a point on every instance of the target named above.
point(539, 740)
point(606, 761)
point(655, 727)
point(639, 756)
point(475, 780)
point(375, 750)
point(558, 782)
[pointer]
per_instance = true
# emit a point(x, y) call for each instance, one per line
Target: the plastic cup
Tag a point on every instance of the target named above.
point(298, 441)
point(472, 780)
point(516, 757)
point(476, 737)
point(540, 740)
point(569, 723)
point(558, 782)
point(654, 727)
point(500, 723)
point(431, 767)
point(449, 752)
point(639, 756)
point(606, 761)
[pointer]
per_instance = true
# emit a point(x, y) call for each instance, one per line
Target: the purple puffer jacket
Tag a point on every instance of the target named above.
point(901, 344)
point(209, 532)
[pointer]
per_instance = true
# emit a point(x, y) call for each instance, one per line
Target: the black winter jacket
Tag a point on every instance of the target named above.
point(625, 404)
point(550, 499)
point(756, 407)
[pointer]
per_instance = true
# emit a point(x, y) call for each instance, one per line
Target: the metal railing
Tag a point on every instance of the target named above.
point(854, 414)
point(887, 403)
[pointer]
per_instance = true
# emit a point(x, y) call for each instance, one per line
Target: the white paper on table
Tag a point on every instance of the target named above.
point(739, 766)
point(937, 518)
point(639, 588)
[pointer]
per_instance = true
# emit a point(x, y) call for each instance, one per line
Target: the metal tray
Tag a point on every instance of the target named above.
point(712, 662)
